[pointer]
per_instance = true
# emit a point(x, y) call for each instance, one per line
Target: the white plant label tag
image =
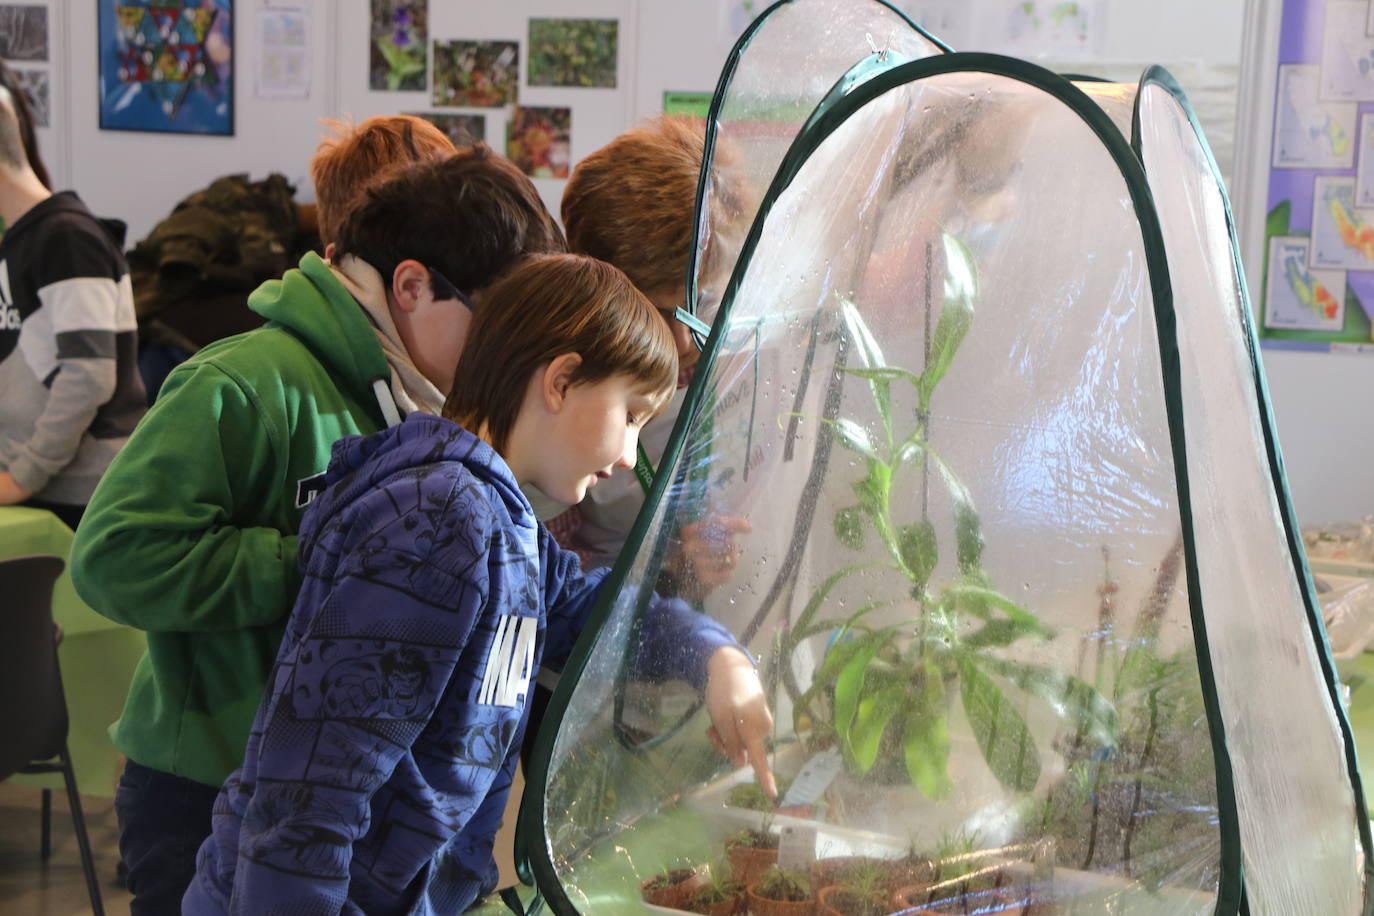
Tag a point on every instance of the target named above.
point(815, 777)
point(797, 847)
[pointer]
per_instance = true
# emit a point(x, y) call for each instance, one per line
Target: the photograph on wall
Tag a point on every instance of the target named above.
point(697, 104)
point(1347, 62)
point(35, 85)
point(1342, 234)
point(167, 66)
point(462, 129)
point(400, 42)
point(476, 74)
point(539, 141)
point(1309, 133)
point(573, 52)
point(1299, 297)
point(23, 31)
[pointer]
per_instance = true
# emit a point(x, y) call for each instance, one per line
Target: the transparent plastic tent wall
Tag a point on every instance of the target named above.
point(1023, 581)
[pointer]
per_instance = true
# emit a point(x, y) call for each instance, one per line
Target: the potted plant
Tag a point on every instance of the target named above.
point(859, 888)
point(751, 852)
point(883, 692)
point(671, 887)
point(781, 892)
point(1159, 763)
point(720, 894)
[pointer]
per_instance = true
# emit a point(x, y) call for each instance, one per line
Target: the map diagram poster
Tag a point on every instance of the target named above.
point(1318, 273)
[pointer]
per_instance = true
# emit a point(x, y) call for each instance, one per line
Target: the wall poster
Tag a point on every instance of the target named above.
point(167, 65)
point(1318, 256)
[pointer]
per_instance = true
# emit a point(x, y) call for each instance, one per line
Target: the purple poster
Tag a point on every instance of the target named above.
point(1318, 289)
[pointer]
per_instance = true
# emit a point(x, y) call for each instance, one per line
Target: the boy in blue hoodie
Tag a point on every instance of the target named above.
point(192, 534)
point(380, 760)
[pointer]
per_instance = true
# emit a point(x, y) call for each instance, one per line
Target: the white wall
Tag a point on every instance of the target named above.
point(140, 176)
point(674, 45)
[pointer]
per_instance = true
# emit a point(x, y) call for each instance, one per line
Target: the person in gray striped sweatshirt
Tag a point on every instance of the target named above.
point(70, 393)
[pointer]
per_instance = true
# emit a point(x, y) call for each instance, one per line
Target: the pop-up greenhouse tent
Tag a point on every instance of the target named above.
point(1024, 582)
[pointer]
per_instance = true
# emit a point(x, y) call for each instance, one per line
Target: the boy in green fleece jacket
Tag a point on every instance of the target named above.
point(191, 535)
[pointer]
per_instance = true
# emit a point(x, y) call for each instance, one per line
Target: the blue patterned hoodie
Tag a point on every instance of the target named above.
point(378, 766)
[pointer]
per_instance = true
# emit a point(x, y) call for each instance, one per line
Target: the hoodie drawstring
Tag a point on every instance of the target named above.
point(381, 387)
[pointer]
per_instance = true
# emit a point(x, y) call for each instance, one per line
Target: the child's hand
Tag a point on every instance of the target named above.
point(740, 719)
point(10, 491)
point(705, 554)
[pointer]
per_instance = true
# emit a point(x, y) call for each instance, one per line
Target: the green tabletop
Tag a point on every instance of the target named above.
point(1358, 674)
point(97, 655)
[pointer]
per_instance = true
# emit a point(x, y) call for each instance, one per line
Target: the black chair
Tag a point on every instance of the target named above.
point(33, 708)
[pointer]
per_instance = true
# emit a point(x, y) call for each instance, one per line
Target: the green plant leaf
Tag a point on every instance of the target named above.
point(875, 712)
point(839, 655)
point(916, 542)
point(911, 448)
point(819, 595)
point(864, 341)
point(849, 527)
point(853, 437)
point(1071, 699)
point(872, 356)
point(968, 530)
point(961, 287)
point(850, 681)
point(1002, 734)
point(978, 601)
point(848, 623)
point(925, 742)
point(881, 373)
point(1001, 631)
point(873, 489)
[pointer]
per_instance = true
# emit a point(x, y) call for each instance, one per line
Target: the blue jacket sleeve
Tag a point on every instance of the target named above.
point(675, 641)
point(366, 675)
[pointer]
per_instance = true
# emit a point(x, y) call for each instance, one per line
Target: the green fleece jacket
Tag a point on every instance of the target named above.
point(191, 535)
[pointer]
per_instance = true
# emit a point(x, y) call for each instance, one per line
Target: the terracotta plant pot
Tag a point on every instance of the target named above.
point(841, 901)
point(762, 906)
point(681, 884)
point(748, 863)
point(733, 906)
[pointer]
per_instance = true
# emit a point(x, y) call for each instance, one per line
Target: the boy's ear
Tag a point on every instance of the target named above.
point(410, 285)
point(558, 379)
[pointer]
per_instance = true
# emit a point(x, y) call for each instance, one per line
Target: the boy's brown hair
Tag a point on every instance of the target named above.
point(547, 306)
point(630, 203)
point(356, 157)
point(471, 216)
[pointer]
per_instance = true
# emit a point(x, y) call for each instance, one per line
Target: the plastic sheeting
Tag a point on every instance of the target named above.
point(1023, 582)
point(788, 63)
point(1297, 816)
point(965, 573)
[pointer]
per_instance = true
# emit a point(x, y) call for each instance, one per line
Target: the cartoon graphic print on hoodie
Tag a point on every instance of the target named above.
point(378, 766)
